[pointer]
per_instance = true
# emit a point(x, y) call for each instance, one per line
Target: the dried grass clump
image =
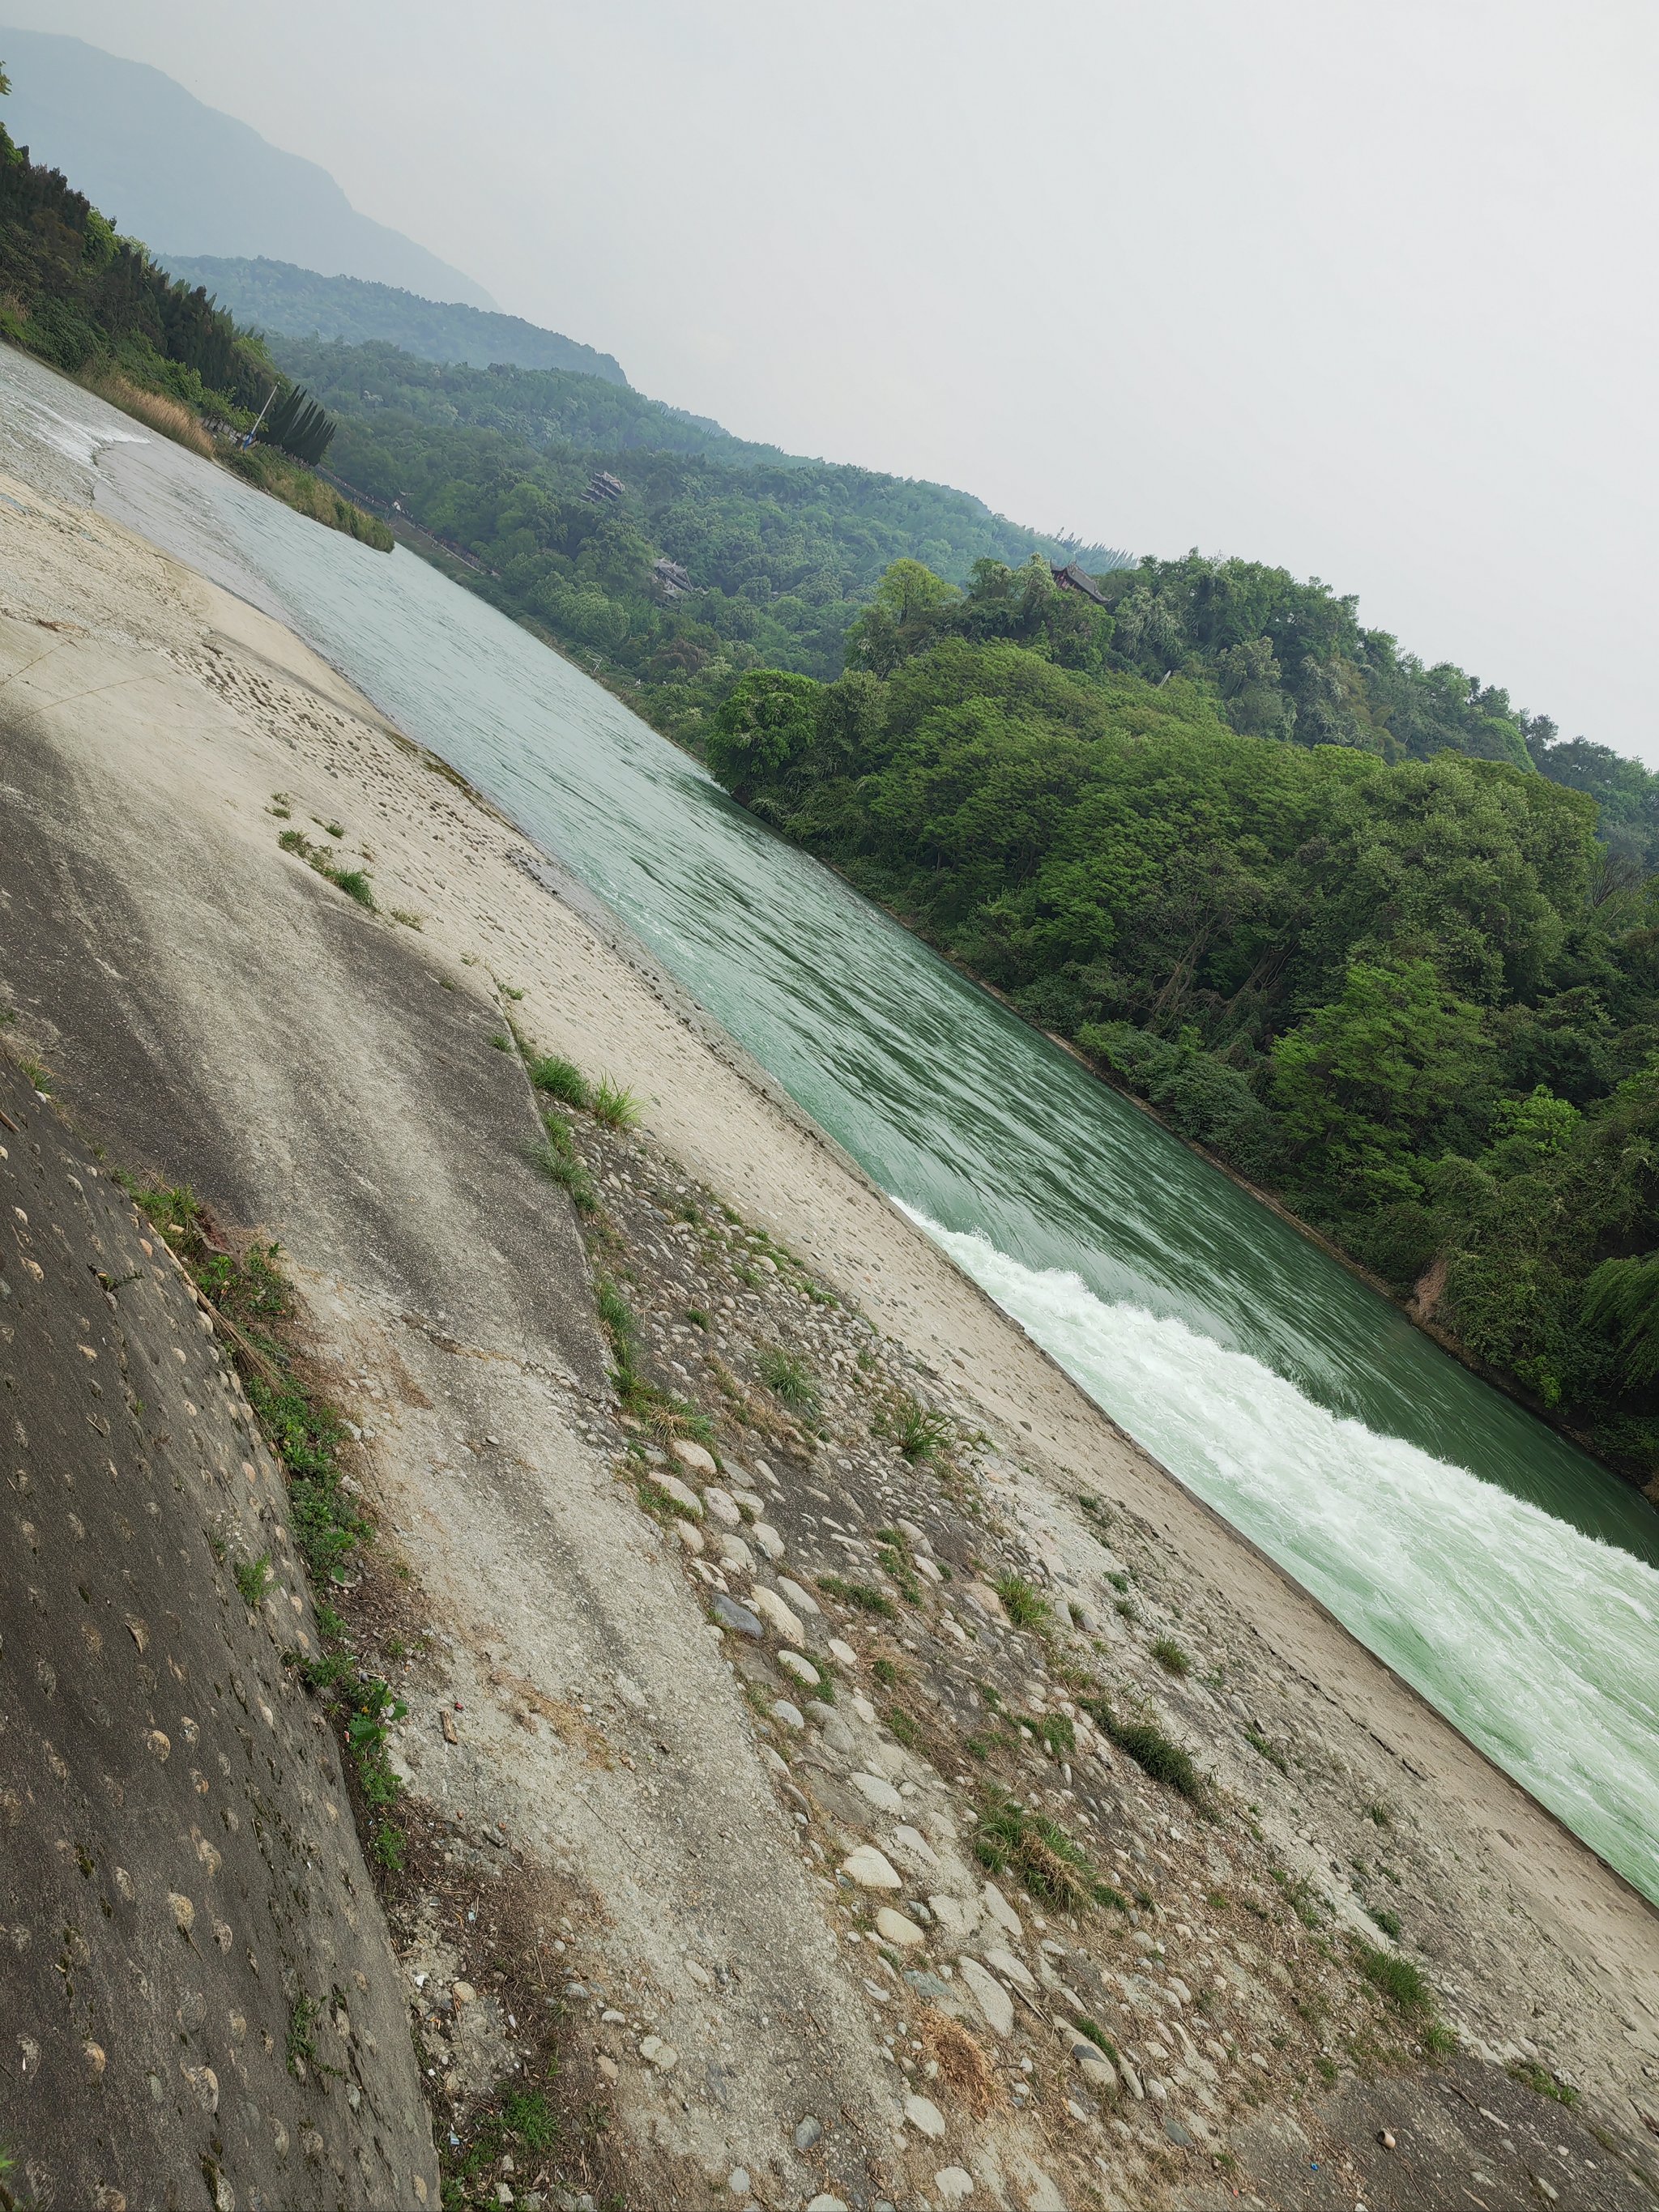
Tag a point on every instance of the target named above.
point(170, 416)
point(963, 2068)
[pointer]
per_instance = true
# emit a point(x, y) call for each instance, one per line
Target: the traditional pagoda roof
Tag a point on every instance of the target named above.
point(1070, 578)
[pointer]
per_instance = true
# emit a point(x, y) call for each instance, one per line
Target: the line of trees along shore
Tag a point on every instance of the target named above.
point(783, 554)
point(1332, 923)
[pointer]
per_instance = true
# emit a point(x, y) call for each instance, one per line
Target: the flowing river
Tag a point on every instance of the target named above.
point(1507, 1577)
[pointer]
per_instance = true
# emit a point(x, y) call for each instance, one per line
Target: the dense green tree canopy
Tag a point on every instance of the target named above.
point(1411, 991)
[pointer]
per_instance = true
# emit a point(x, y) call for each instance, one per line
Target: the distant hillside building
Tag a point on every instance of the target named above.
point(1070, 578)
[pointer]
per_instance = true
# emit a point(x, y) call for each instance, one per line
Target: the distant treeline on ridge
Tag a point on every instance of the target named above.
point(275, 296)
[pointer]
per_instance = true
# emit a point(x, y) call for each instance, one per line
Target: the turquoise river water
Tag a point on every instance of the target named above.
point(1511, 1580)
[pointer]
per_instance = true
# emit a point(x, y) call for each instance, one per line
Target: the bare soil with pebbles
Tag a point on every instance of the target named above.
point(644, 1846)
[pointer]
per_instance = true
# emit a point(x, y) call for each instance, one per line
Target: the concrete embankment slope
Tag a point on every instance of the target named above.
point(182, 1901)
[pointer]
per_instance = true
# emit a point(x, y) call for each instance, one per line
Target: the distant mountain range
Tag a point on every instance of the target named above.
point(190, 180)
point(276, 297)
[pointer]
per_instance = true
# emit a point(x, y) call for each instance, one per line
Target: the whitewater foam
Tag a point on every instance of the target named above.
point(76, 440)
point(1541, 1639)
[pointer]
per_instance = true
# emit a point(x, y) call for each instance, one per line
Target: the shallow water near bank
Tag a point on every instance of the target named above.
point(1508, 1579)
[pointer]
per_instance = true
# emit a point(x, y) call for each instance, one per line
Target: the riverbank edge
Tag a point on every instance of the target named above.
point(636, 701)
point(626, 945)
point(276, 474)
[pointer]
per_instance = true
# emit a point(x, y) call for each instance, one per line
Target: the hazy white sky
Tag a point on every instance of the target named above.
point(1364, 287)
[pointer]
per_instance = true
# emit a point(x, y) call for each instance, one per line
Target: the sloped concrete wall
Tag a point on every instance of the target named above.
point(198, 2003)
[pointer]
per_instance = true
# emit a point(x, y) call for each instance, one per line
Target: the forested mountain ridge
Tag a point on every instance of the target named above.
point(1292, 660)
point(777, 571)
point(1407, 989)
point(663, 552)
point(279, 296)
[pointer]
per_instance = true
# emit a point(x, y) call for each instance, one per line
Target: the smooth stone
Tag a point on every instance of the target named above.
point(689, 1536)
point(830, 1725)
point(1000, 1911)
point(1131, 2080)
point(984, 1601)
point(842, 1654)
point(1096, 2067)
point(682, 1493)
point(662, 2055)
point(1157, 2089)
point(802, 1669)
point(920, 1540)
point(768, 1539)
point(870, 1869)
point(731, 1614)
point(1010, 1968)
point(988, 1993)
point(736, 1554)
point(958, 1917)
point(802, 1600)
point(912, 1840)
point(882, 1795)
point(807, 2133)
point(790, 1715)
point(926, 2117)
point(768, 1603)
point(955, 2184)
point(926, 1569)
point(1177, 2134)
point(865, 1710)
point(897, 1929)
point(723, 1507)
point(930, 1987)
point(694, 1455)
point(827, 2203)
point(737, 2181)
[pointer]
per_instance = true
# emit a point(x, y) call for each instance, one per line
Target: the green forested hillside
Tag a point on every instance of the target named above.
point(1408, 988)
point(1292, 660)
point(277, 296)
point(73, 292)
point(782, 553)
point(779, 553)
